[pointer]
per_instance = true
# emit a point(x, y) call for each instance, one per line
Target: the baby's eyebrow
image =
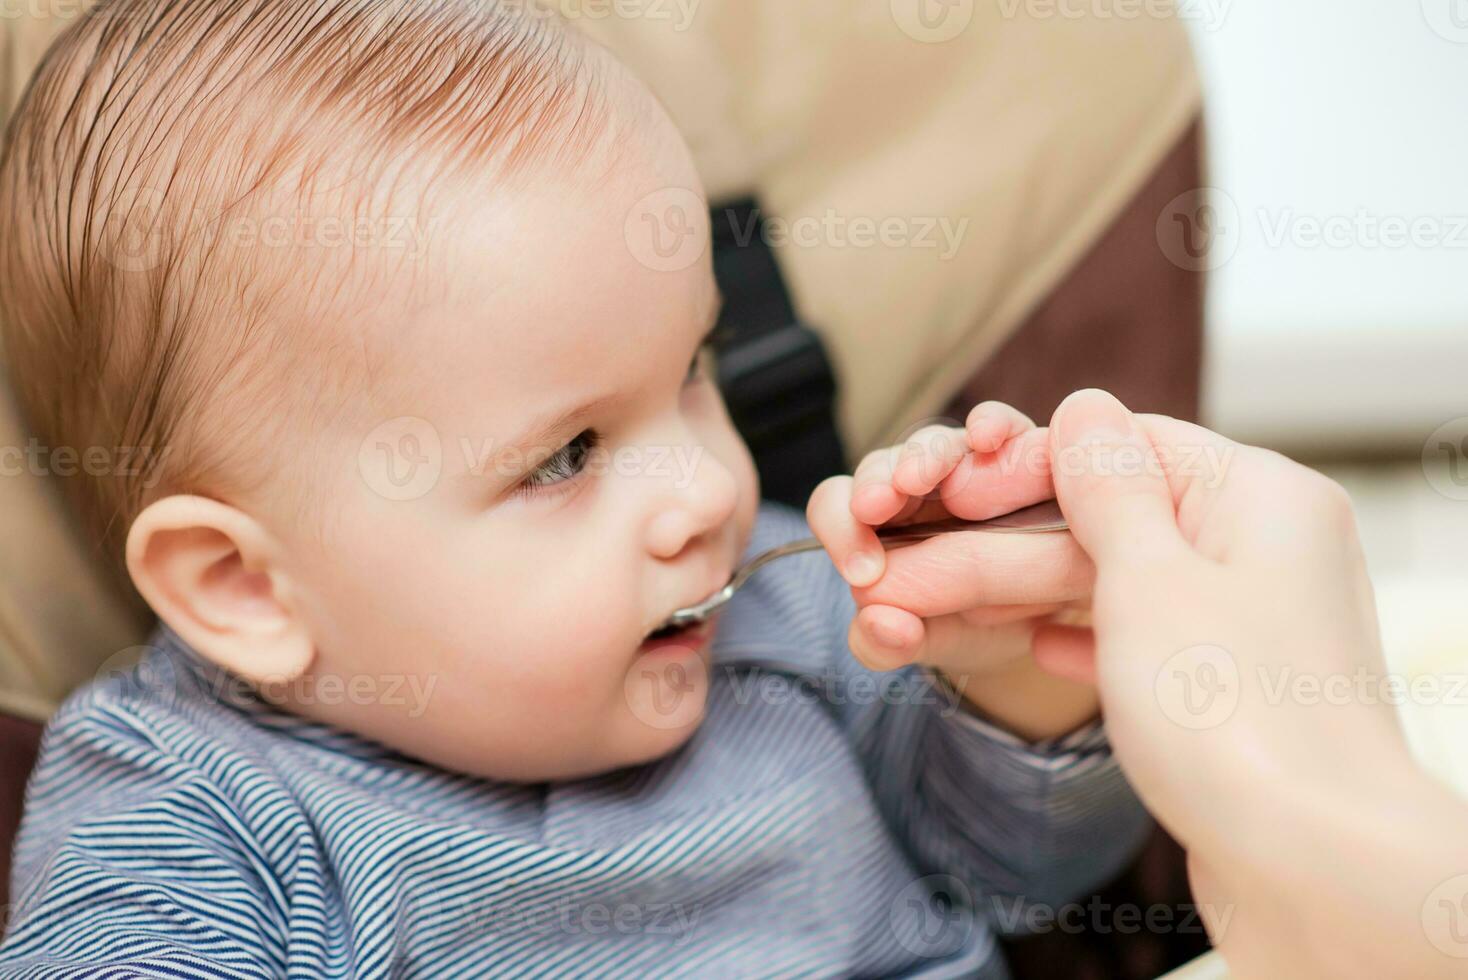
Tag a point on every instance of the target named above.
point(540, 434)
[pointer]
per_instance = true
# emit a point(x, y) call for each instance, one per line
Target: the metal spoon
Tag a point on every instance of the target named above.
point(1031, 520)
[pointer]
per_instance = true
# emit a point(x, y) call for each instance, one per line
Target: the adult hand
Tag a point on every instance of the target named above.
point(966, 603)
point(1236, 647)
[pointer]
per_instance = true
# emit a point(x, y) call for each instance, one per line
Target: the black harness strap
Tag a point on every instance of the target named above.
point(773, 369)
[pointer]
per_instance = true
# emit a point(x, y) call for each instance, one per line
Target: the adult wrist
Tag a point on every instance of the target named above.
point(1377, 869)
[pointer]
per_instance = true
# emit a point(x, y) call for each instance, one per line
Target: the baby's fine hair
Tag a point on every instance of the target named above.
point(146, 297)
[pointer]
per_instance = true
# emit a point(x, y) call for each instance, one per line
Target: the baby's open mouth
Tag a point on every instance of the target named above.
point(665, 631)
point(694, 633)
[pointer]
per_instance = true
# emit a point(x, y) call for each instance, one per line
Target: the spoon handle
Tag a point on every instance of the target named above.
point(1031, 520)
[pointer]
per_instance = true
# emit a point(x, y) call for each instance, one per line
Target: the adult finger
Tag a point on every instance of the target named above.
point(1110, 482)
point(964, 569)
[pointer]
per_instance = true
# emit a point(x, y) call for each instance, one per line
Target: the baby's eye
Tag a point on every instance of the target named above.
point(562, 465)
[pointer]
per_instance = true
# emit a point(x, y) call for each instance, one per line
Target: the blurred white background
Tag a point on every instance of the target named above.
point(1338, 134)
point(1339, 141)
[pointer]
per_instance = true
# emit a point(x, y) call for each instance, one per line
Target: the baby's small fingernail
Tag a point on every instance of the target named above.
point(863, 569)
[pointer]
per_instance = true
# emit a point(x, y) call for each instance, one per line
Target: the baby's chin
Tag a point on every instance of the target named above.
point(627, 741)
point(656, 709)
point(666, 688)
point(660, 706)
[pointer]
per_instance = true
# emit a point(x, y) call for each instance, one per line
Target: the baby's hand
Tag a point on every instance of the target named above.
point(966, 603)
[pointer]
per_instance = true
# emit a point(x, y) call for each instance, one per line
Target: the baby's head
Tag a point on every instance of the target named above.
point(362, 277)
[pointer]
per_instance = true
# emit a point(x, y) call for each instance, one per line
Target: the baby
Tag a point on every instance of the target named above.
point(442, 451)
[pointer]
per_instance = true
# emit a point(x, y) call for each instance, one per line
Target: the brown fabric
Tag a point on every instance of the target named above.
point(1128, 320)
point(19, 740)
point(1114, 942)
point(1125, 319)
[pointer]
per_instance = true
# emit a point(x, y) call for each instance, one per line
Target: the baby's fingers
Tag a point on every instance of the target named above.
point(927, 457)
point(874, 500)
point(1068, 652)
point(987, 485)
point(852, 545)
point(992, 424)
point(885, 637)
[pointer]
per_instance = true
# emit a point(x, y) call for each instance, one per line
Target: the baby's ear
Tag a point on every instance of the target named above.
point(211, 573)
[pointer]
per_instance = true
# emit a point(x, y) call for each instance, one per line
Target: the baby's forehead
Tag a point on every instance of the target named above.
point(535, 289)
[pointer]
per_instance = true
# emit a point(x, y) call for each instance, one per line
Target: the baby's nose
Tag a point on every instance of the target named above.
point(686, 513)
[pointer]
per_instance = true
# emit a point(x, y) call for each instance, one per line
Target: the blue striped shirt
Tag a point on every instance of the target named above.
point(823, 821)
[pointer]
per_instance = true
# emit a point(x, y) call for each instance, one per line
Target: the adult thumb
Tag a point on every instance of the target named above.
point(1110, 481)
